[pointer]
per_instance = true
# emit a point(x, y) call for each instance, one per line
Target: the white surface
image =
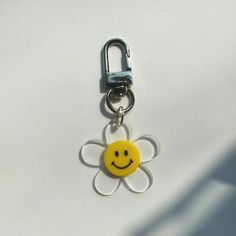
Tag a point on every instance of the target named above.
point(184, 57)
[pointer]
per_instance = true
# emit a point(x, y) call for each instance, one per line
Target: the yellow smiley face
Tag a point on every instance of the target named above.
point(121, 158)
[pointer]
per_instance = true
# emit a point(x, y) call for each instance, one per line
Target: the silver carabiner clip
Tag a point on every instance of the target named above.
point(118, 83)
point(119, 79)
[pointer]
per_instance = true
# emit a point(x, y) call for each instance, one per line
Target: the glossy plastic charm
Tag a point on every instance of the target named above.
point(120, 160)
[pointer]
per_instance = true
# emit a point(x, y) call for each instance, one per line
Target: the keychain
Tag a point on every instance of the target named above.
point(120, 158)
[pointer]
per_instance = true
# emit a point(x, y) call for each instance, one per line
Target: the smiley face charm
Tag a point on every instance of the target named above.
point(121, 158)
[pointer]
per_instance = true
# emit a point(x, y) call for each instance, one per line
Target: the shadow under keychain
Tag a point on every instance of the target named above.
point(119, 157)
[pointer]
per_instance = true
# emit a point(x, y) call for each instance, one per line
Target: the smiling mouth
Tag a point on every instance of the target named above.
point(122, 167)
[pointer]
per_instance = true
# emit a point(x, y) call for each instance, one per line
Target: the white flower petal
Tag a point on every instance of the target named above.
point(91, 152)
point(106, 184)
point(114, 133)
point(139, 181)
point(148, 146)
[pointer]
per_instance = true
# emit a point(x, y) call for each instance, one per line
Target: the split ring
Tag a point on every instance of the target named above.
point(116, 110)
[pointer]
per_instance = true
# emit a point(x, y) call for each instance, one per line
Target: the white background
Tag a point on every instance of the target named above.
point(184, 64)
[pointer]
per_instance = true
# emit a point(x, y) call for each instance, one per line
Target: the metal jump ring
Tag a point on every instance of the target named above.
point(116, 110)
point(120, 116)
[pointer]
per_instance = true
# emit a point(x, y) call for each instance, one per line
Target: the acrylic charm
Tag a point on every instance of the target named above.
point(119, 158)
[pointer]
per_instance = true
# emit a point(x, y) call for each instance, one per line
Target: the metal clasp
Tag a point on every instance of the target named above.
point(118, 81)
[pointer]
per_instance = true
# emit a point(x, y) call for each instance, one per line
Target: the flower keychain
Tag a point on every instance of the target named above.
point(119, 158)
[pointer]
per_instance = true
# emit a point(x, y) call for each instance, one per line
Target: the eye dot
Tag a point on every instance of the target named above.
point(116, 153)
point(126, 153)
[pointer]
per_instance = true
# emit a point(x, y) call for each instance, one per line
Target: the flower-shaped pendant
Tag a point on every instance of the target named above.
point(120, 160)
